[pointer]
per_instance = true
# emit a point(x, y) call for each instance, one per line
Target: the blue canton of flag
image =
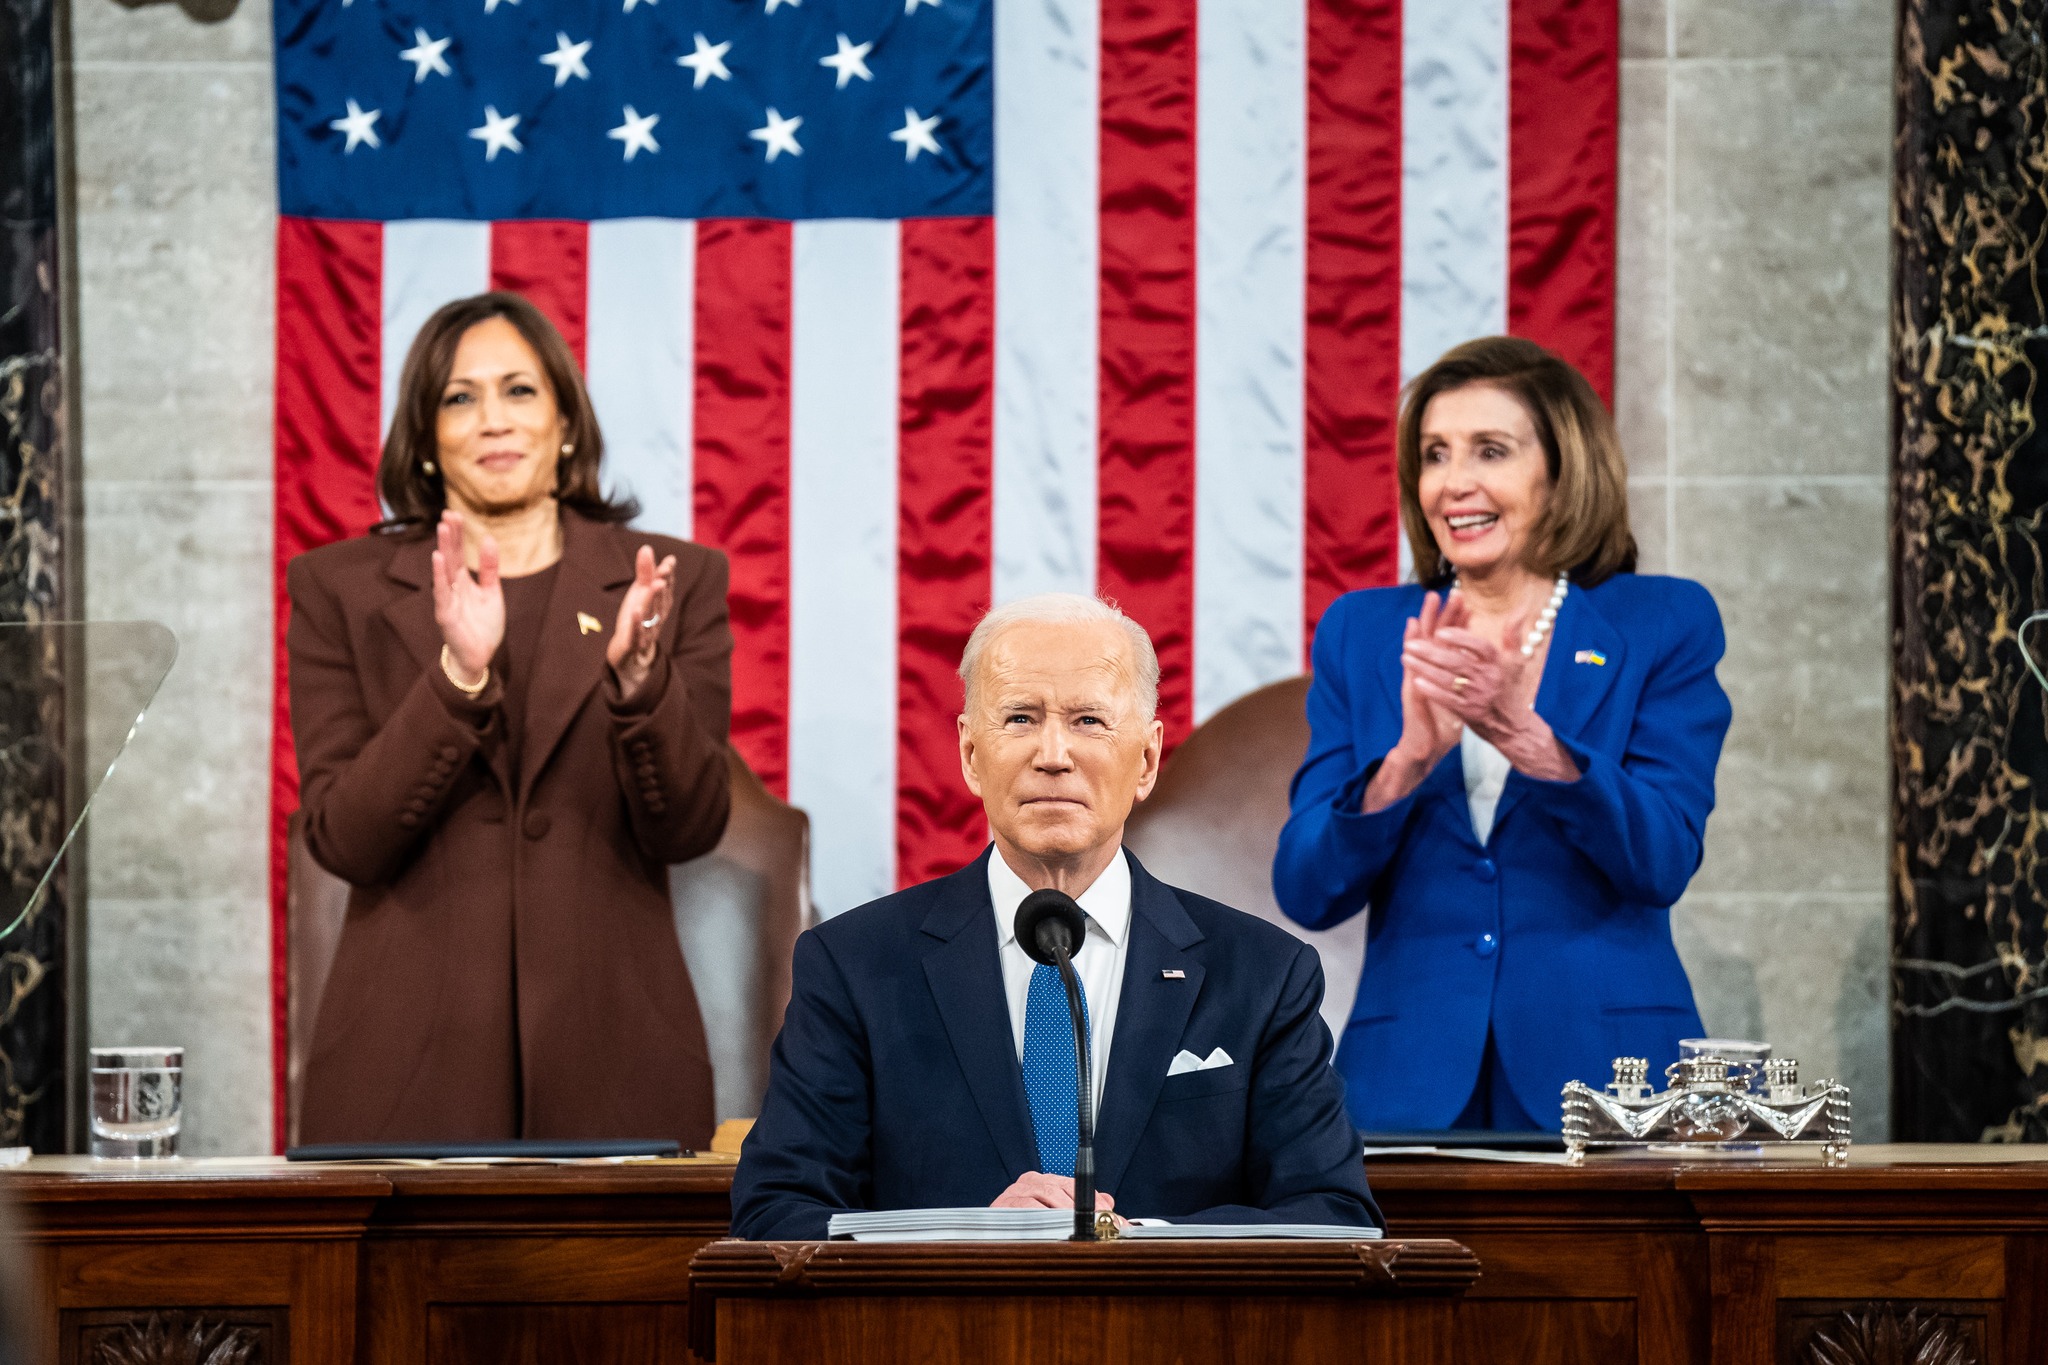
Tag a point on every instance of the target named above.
point(499, 109)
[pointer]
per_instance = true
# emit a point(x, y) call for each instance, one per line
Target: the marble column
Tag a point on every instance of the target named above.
point(35, 805)
point(1970, 485)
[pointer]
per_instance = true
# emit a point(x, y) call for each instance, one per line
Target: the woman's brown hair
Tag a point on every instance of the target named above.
point(1584, 526)
point(413, 496)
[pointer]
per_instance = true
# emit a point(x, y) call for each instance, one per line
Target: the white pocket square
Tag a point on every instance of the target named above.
point(1185, 1061)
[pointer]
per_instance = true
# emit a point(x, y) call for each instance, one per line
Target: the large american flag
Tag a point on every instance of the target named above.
point(914, 305)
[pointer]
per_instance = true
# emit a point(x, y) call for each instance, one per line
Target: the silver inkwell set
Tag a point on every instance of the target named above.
point(1724, 1098)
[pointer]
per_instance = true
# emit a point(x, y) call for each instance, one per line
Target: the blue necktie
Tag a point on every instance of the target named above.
point(1049, 1081)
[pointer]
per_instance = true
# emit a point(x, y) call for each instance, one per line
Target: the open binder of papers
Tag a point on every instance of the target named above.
point(1052, 1225)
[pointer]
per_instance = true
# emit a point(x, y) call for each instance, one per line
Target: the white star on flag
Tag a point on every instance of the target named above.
point(774, 5)
point(425, 55)
point(849, 61)
point(358, 124)
point(631, 3)
point(637, 132)
point(491, 6)
point(779, 135)
point(916, 135)
point(909, 6)
point(497, 133)
point(567, 59)
point(707, 61)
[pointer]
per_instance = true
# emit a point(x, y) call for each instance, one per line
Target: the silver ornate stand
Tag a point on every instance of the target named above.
point(1713, 1107)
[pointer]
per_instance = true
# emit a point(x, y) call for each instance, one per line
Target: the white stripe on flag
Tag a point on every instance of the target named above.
point(1250, 212)
point(1454, 180)
point(845, 336)
point(640, 361)
point(1044, 475)
point(427, 262)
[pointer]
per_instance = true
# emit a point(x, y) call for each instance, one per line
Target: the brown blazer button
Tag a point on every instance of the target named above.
point(537, 824)
point(449, 753)
point(655, 805)
point(409, 820)
point(418, 805)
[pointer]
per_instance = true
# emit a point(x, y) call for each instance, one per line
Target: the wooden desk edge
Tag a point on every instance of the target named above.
point(1391, 1268)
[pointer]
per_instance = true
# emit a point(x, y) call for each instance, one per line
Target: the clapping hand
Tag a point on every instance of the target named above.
point(469, 608)
point(1487, 685)
point(1482, 683)
point(1429, 729)
point(638, 631)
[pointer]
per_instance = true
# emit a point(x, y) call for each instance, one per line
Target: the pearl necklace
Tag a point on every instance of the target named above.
point(1547, 618)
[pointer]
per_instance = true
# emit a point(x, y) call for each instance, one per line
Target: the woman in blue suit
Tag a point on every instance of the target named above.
point(1511, 763)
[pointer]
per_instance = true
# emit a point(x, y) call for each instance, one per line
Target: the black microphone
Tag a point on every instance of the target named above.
point(1050, 926)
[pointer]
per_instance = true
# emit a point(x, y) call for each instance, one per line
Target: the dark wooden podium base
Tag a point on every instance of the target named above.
point(1030, 1303)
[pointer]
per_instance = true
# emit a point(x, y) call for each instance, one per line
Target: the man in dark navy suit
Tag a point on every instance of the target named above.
point(926, 1061)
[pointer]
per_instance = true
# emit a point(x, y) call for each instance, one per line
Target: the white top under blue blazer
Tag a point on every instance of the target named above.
point(1555, 931)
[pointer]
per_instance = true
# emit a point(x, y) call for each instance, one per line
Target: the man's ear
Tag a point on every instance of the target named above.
point(1155, 744)
point(967, 772)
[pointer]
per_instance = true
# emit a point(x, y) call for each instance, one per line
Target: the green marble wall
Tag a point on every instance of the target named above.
point(1970, 484)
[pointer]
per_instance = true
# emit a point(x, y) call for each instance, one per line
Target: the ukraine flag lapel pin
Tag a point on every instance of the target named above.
point(1590, 656)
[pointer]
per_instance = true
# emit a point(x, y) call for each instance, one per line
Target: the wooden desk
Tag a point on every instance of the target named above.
point(1617, 1262)
point(331, 1265)
point(1057, 1303)
point(1905, 1253)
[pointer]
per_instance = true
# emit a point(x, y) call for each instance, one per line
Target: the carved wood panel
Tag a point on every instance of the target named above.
point(1887, 1332)
point(175, 1336)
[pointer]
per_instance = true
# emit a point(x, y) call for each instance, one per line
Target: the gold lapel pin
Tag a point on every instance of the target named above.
point(587, 624)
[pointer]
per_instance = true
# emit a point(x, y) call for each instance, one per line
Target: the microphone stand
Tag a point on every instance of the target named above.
point(1084, 1106)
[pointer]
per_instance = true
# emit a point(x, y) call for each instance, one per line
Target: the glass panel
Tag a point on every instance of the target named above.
point(121, 664)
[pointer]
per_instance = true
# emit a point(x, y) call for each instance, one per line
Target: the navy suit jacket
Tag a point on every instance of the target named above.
point(895, 1083)
point(1556, 932)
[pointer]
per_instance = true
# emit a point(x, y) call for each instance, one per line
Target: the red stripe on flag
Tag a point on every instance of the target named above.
point(1563, 102)
point(549, 262)
point(944, 528)
point(1146, 501)
point(1351, 516)
point(741, 496)
point(329, 338)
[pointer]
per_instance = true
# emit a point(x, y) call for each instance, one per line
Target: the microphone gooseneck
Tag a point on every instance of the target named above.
point(1050, 927)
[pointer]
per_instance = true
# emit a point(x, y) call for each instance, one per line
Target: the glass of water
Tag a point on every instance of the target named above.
point(137, 1101)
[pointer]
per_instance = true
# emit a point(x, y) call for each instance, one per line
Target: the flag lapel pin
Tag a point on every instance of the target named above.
point(586, 624)
point(1172, 974)
point(1590, 656)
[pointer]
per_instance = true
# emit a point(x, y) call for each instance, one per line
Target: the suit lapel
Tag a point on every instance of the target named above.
point(1573, 685)
point(411, 612)
point(966, 978)
point(568, 662)
point(1151, 1021)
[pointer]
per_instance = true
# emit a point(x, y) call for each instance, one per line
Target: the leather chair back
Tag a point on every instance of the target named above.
point(1212, 824)
point(738, 912)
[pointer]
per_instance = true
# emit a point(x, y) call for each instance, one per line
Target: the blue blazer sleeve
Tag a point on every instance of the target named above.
point(1642, 819)
point(807, 1157)
point(1304, 1162)
point(1330, 854)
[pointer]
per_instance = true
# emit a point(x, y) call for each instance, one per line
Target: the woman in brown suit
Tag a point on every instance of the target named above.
point(510, 715)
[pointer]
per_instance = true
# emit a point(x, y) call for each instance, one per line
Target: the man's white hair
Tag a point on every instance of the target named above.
point(1062, 609)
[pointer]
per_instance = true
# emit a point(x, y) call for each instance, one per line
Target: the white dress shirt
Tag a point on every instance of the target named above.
point(1486, 776)
point(1099, 963)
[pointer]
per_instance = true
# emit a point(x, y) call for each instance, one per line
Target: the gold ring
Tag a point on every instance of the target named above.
point(1460, 683)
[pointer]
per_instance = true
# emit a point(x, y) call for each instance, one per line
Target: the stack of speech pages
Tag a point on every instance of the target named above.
point(1048, 1225)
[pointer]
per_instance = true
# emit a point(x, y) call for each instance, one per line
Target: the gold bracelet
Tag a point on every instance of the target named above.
point(467, 689)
